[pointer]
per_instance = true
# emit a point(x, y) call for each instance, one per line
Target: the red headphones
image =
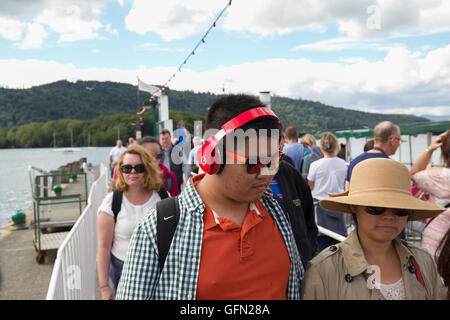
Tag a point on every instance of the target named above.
point(208, 156)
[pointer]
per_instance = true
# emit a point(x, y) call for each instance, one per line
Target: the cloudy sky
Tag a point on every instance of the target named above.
point(385, 56)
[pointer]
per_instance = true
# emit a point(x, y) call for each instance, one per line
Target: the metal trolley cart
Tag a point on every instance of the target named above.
point(55, 205)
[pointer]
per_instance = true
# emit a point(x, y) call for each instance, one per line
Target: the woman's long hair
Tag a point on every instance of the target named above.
point(329, 143)
point(152, 179)
point(443, 262)
point(445, 149)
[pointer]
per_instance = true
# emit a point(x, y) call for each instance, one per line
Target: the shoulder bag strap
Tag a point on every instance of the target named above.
point(419, 275)
point(116, 203)
point(168, 215)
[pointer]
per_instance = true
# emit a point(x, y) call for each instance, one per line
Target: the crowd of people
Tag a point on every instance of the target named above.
point(240, 221)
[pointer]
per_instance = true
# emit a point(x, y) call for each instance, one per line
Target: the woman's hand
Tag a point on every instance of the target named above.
point(437, 143)
point(422, 162)
point(107, 293)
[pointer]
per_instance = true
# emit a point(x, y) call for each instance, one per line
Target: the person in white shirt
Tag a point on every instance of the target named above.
point(139, 180)
point(116, 152)
point(193, 163)
point(328, 175)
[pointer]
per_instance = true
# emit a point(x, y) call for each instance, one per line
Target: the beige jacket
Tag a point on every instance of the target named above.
point(339, 273)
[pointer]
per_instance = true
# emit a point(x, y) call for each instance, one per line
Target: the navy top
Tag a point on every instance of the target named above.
point(362, 157)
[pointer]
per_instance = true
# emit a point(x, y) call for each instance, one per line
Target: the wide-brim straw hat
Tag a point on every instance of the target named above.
point(381, 182)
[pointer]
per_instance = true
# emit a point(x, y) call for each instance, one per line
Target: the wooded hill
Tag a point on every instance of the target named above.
point(29, 117)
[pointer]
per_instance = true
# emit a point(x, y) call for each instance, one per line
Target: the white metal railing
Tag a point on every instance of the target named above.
point(74, 271)
point(331, 234)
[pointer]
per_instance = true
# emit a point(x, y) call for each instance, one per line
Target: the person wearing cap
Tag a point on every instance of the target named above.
point(372, 263)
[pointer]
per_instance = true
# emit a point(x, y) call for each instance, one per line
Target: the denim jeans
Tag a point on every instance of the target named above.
point(115, 270)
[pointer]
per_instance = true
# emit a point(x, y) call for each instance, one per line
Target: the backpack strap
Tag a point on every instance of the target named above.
point(116, 203)
point(163, 193)
point(168, 215)
point(418, 274)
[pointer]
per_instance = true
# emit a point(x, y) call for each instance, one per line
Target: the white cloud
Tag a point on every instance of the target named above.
point(402, 81)
point(172, 19)
point(11, 29)
point(27, 23)
point(353, 60)
point(35, 34)
point(334, 44)
point(362, 19)
point(151, 46)
point(111, 30)
point(70, 25)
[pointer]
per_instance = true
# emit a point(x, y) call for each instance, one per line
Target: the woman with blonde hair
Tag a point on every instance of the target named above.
point(309, 140)
point(138, 188)
point(435, 181)
point(372, 263)
point(328, 175)
point(312, 153)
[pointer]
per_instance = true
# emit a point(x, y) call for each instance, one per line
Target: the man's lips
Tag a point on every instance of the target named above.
point(261, 186)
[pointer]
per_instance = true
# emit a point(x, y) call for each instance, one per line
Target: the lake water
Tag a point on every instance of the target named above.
point(15, 190)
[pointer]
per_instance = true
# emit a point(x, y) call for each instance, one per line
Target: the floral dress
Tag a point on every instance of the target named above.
point(438, 187)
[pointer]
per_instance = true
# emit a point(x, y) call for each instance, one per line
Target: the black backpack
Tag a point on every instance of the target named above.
point(168, 215)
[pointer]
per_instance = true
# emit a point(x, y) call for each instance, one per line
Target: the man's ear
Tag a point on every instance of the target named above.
point(353, 208)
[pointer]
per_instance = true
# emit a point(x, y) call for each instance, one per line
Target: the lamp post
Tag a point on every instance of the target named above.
point(153, 105)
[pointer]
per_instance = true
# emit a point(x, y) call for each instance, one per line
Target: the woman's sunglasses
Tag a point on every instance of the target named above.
point(127, 168)
point(255, 164)
point(376, 211)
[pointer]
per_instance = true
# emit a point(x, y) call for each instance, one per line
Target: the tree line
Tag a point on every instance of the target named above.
point(100, 131)
point(30, 117)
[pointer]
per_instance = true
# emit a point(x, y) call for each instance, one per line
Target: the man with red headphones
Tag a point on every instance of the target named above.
point(232, 240)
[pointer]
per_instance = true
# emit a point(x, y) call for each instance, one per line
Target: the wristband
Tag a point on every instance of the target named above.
point(106, 285)
point(428, 150)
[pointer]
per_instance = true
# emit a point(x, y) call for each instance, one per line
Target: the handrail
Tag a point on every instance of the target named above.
point(73, 276)
point(331, 234)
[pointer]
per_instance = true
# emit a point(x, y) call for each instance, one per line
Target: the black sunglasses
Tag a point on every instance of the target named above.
point(376, 211)
point(254, 164)
point(127, 168)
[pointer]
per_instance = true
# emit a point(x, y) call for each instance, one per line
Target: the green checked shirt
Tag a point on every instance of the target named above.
point(141, 278)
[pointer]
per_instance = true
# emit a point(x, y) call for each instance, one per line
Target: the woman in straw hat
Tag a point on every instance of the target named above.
point(372, 263)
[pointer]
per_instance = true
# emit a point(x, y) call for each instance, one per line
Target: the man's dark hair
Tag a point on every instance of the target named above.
point(291, 133)
point(369, 145)
point(149, 139)
point(165, 131)
point(230, 106)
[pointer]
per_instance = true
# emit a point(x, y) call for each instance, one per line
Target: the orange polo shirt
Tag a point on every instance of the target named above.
point(248, 262)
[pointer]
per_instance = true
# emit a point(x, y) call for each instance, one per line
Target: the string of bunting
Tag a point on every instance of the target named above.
point(192, 53)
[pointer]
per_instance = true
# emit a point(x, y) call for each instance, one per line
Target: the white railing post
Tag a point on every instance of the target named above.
point(73, 276)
